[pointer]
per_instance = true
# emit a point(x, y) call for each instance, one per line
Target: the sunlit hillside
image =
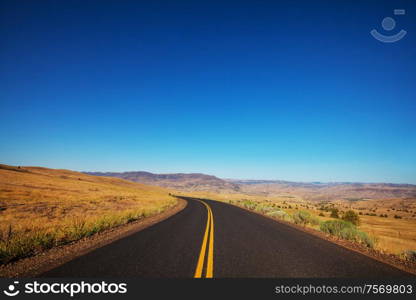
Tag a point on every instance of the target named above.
point(47, 207)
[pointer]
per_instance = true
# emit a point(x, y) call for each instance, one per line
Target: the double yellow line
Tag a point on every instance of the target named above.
point(208, 240)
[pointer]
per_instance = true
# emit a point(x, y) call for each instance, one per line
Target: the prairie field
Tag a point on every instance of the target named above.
point(41, 208)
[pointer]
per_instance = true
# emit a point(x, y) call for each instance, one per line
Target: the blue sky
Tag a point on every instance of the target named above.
point(294, 90)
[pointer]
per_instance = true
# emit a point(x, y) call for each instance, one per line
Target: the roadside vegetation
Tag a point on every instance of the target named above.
point(344, 228)
point(43, 208)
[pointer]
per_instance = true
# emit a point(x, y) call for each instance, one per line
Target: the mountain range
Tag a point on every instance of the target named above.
point(318, 191)
point(179, 181)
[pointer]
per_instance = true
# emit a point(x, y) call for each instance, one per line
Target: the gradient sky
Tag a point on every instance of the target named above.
point(294, 90)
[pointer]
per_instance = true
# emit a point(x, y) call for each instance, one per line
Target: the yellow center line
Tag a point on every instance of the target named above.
point(210, 263)
point(208, 239)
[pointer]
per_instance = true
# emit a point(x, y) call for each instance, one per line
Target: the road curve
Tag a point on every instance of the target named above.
point(244, 244)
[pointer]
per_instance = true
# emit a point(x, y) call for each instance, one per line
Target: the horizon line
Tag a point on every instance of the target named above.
point(226, 178)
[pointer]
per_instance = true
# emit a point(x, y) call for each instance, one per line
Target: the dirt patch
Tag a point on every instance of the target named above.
point(42, 262)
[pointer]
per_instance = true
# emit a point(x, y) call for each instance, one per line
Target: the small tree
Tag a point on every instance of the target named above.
point(352, 217)
point(334, 213)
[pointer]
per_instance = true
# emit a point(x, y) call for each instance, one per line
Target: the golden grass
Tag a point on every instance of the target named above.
point(41, 208)
point(394, 235)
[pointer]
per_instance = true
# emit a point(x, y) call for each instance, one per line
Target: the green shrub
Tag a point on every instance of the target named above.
point(352, 217)
point(347, 231)
point(334, 227)
point(303, 218)
point(314, 221)
point(365, 239)
point(264, 208)
point(279, 214)
point(334, 213)
point(249, 204)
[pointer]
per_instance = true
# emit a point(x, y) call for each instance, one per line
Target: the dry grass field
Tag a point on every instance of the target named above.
point(41, 208)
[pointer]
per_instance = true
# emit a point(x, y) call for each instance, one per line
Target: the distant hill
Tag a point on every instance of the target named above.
point(328, 191)
point(318, 191)
point(26, 185)
point(179, 181)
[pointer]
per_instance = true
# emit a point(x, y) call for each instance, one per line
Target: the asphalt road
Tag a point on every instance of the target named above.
point(231, 243)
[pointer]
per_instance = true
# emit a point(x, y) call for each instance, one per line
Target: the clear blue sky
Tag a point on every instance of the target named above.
point(294, 90)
